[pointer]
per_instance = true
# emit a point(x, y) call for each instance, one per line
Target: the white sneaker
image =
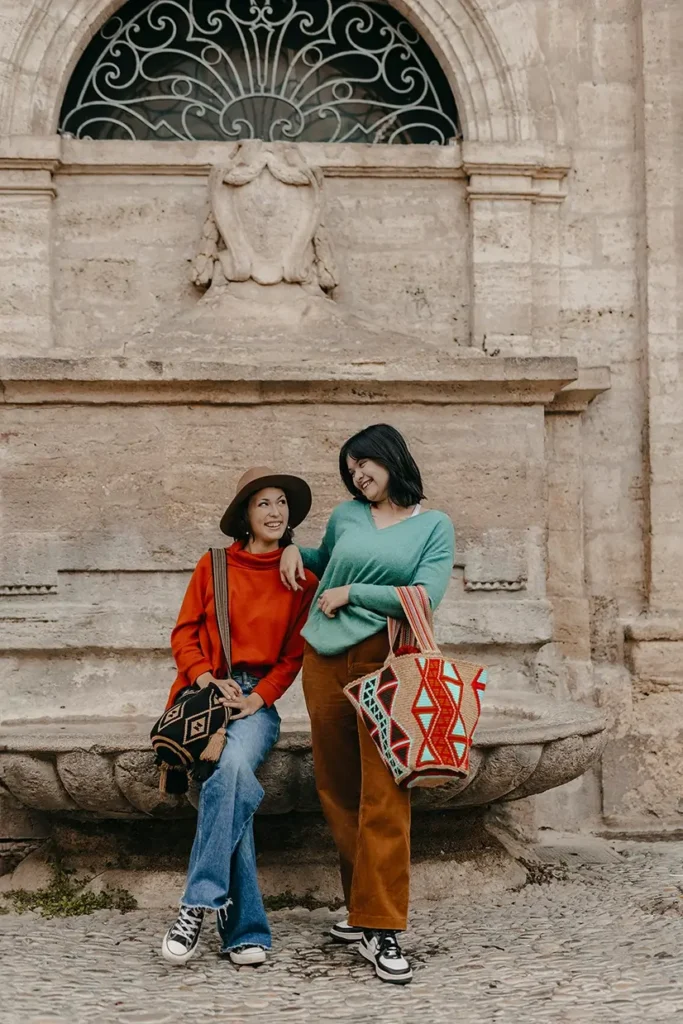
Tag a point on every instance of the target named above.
point(248, 956)
point(181, 939)
point(381, 948)
point(342, 931)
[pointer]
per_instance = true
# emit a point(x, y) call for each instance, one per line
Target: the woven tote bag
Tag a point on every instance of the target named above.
point(421, 708)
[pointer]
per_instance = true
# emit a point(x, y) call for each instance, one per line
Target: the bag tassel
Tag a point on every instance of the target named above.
point(163, 778)
point(214, 748)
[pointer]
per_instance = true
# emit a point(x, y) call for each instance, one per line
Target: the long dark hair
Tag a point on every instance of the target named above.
point(242, 532)
point(385, 445)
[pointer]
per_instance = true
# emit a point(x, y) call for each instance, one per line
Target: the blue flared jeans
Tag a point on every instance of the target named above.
point(222, 872)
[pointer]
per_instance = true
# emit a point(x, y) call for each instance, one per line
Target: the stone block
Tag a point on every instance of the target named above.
point(616, 239)
point(497, 560)
point(573, 850)
point(641, 770)
point(605, 115)
point(658, 663)
point(607, 290)
point(607, 633)
point(18, 822)
point(36, 871)
point(565, 563)
point(615, 56)
point(571, 627)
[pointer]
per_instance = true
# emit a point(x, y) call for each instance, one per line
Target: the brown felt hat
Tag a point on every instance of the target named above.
point(298, 493)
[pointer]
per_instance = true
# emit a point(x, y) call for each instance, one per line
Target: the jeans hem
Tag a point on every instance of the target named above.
point(258, 945)
point(205, 906)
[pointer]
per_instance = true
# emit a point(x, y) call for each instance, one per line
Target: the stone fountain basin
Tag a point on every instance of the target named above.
point(526, 743)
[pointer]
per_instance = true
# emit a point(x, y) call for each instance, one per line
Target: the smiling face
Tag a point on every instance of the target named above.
point(268, 514)
point(370, 478)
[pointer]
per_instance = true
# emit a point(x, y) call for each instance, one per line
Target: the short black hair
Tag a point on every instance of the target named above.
point(384, 444)
point(239, 527)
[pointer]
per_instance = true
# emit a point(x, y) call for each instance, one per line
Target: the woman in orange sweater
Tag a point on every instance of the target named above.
point(266, 653)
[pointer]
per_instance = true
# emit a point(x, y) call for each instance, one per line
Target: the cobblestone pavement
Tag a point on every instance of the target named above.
point(605, 944)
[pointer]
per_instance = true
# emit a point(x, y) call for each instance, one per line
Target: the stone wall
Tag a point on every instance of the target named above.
point(554, 229)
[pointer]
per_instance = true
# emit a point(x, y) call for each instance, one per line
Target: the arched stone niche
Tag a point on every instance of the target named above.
point(488, 49)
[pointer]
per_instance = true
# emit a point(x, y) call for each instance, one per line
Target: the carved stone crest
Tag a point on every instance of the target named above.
point(265, 221)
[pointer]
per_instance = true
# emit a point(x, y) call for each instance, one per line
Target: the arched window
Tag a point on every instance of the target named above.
point(282, 70)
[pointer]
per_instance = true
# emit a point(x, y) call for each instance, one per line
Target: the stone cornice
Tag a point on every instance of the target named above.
point(575, 397)
point(532, 170)
point(119, 380)
point(27, 165)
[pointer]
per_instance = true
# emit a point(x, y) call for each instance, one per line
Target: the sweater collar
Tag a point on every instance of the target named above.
point(237, 556)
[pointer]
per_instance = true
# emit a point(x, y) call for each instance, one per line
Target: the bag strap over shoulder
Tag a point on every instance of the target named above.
point(219, 566)
point(417, 625)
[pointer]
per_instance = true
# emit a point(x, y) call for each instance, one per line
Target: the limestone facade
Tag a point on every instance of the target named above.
point(516, 298)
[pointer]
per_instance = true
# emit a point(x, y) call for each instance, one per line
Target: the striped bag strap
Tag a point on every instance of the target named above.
point(219, 566)
point(417, 627)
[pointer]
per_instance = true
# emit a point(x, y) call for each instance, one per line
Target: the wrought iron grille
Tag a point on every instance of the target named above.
point(282, 70)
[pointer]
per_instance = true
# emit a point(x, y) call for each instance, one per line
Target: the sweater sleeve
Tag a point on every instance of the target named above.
point(284, 672)
point(316, 559)
point(433, 573)
point(185, 636)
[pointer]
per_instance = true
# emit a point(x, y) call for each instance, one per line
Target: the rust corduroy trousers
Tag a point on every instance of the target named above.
point(369, 816)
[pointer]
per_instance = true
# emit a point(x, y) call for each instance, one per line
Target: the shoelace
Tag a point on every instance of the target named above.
point(188, 923)
point(388, 946)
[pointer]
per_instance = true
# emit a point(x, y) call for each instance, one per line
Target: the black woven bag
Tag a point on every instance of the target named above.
point(190, 735)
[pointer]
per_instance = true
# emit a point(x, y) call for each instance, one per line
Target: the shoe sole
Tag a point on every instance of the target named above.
point(404, 979)
point(177, 959)
point(249, 959)
point(346, 937)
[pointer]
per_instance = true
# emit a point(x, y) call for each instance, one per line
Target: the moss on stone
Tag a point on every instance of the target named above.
point(287, 900)
point(65, 896)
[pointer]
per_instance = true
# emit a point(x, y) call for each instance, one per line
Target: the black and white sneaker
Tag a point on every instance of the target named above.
point(381, 948)
point(180, 941)
point(342, 931)
point(248, 956)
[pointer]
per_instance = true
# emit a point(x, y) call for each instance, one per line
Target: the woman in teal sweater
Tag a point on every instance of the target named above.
point(380, 540)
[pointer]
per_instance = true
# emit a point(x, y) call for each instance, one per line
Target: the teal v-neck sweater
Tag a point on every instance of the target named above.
point(374, 561)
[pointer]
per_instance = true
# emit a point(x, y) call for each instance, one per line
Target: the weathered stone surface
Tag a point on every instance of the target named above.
point(504, 769)
point(34, 782)
point(106, 765)
point(137, 777)
point(567, 758)
point(89, 779)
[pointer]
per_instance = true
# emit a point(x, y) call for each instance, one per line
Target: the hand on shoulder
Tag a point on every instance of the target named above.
point(292, 572)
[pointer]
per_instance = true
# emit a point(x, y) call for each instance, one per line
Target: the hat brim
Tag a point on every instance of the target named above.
point(299, 499)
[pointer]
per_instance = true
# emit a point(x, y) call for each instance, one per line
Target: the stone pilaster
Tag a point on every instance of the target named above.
point(566, 556)
point(641, 765)
point(660, 259)
point(514, 195)
point(26, 196)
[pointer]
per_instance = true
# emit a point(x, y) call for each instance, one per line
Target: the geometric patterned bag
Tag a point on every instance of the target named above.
point(421, 708)
point(191, 734)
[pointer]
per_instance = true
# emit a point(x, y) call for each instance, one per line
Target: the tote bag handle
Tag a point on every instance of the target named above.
point(219, 567)
point(417, 625)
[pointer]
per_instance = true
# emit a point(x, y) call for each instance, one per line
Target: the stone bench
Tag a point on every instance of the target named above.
point(104, 767)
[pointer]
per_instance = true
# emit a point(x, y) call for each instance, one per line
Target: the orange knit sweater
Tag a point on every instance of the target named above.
point(265, 623)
